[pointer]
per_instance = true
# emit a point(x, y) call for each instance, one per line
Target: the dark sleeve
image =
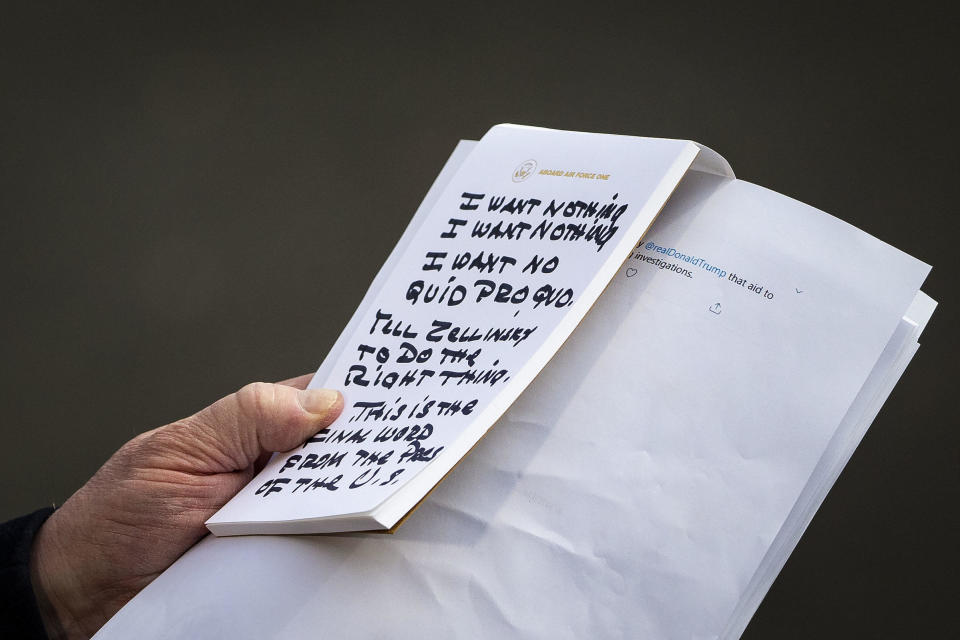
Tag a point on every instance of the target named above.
point(19, 614)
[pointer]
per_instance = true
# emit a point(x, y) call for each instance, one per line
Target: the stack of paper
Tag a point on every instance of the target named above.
point(650, 482)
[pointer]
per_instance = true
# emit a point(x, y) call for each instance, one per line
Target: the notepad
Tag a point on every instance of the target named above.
point(492, 275)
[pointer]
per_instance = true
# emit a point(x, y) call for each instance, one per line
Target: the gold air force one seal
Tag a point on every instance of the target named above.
point(525, 170)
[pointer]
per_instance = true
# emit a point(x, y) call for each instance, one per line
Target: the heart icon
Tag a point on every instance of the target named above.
point(631, 272)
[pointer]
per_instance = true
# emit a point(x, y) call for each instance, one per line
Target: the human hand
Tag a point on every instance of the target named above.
point(146, 506)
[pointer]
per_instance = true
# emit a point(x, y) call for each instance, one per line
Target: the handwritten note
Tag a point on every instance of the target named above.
point(490, 278)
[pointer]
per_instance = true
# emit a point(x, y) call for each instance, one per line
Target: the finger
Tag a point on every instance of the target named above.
point(300, 382)
point(263, 417)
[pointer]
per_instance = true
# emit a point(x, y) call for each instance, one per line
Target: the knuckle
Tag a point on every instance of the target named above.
point(143, 450)
point(256, 399)
point(140, 446)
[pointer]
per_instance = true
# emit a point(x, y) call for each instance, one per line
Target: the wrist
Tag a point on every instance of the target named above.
point(53, 580)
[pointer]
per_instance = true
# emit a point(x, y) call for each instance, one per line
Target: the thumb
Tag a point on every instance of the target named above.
point(262, 417)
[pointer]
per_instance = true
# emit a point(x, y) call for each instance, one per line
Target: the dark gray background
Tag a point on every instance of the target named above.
point(193, 199)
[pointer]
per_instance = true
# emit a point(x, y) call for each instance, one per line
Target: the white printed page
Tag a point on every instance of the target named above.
point(886, 373)
point(727, 353)
point(491, 281)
